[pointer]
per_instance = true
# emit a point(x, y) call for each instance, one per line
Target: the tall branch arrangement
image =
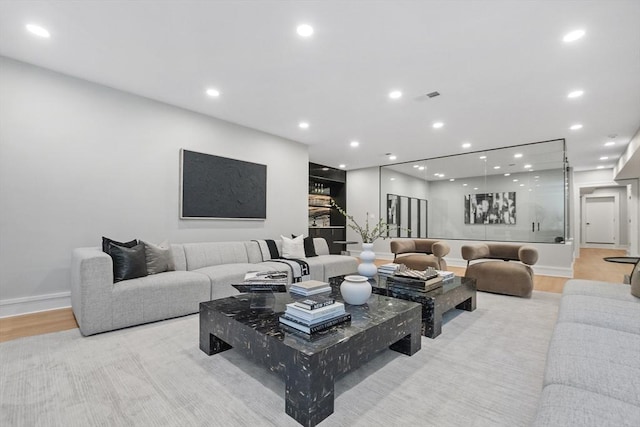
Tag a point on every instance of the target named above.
point(367, 234)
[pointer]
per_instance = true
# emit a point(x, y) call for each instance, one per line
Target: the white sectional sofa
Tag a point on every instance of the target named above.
point(203, 271)
point(592, 376)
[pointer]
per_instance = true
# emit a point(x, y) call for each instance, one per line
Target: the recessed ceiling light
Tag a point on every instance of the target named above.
point(475, 188)
point(392, 157)
point(483, 157)
point(600, 167)
point(303, 125)
point(575, 94)
point(304, 30)
point(354, 143)
point(421, 168)
point(395, 94)
point(466, 145)
point(515, 180)
point(342, 166)
point(325, 169)
point(416, 166)
point(573, 36)
point(392, 179)
point(517, 155)
point(437, 125)
point(452, 179)
point(464, 185)
point(38, 30)
point(527, 166)
point(496, 167)
point(521, 185)
point(213, 92)
point(604, 158)
point(576, 126)
point(537, 176)
point(609, 143)
point(507, 174)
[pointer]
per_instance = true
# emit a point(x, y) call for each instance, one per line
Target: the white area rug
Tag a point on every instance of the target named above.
point(484, 370)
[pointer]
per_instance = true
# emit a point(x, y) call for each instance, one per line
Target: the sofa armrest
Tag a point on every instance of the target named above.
point(528, 255)
point(441, 249)
point(91, 289)
point(477, 251)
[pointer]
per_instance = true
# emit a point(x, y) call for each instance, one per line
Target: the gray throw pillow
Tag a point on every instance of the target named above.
point(159, 258)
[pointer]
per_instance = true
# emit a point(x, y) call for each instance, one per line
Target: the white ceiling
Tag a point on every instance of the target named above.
point(501, 68)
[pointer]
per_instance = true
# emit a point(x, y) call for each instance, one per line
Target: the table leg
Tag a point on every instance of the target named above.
point(309, 394)
point(411, 343)
point(211, 344)
point(468, 305)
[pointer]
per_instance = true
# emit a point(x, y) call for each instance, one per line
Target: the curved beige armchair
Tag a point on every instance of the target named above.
point(418, 254)
point(505, 269)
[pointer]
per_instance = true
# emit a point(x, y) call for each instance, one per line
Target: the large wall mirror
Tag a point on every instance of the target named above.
point(511, 194)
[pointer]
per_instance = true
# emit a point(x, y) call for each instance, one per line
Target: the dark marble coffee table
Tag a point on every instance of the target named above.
point(460, 292)
point(309, 366)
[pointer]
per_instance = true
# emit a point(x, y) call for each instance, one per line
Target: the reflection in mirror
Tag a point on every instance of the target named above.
point(512, 194)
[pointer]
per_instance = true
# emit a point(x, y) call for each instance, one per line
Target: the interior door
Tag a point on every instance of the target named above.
point(600, 219)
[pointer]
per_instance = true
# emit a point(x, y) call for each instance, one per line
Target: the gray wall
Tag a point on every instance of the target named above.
point(79, 160)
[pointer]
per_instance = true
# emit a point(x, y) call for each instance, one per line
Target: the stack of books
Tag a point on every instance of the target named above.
point(414, 280)
point(313, 315)
point(446, 275)
point(387, 270)
point(264, 281)
point(309, 287)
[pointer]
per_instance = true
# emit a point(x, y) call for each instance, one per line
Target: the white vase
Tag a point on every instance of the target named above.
point(355, 290)
point(367, 256)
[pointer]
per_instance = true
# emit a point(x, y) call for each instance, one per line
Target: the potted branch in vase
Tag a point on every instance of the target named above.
point(368, 235)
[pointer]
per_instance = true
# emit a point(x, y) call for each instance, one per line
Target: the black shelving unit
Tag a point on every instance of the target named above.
point(326, 184)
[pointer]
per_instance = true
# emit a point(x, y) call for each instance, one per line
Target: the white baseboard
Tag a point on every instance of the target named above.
point(26, 305)
point(604, 246)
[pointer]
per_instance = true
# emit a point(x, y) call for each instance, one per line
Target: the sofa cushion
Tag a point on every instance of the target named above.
point(335, 265)
point(598, 289)
point(503, 277)
point(595, 359)
point(610, 313)
point(106, 242)
point(159, 258)
point(566, 406)
point(128, 263)
point(293, 248)
point(158, 297)
point(199, 255)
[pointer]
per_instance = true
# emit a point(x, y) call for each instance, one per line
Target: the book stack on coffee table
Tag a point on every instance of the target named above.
point(415, 280)
point(313, 315)
point(309, 287)
point(263, 281)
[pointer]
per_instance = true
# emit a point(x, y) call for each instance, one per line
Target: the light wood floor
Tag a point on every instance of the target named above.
point(590, 265)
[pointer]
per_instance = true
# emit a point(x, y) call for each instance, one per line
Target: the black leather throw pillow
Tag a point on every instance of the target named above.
point(128, 263)
point(106, 241)
point(309, 248)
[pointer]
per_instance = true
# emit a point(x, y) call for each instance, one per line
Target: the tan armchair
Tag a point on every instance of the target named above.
point(418, 254)
point(505, 269)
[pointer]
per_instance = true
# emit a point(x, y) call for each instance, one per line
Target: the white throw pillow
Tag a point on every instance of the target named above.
point(293, 248)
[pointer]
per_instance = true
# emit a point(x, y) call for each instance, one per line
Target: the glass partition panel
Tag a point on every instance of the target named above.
point(509, 194)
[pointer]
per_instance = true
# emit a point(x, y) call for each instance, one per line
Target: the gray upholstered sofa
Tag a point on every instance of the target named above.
point(203, 271)
point(592, 375)
point(418, 254)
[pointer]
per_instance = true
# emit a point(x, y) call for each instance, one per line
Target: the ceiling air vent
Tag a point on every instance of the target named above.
point(427, 96)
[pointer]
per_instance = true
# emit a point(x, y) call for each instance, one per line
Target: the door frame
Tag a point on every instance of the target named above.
point(616, 217)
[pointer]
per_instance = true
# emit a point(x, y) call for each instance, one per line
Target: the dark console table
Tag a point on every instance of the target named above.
point(459, 292)
point(309, 366)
